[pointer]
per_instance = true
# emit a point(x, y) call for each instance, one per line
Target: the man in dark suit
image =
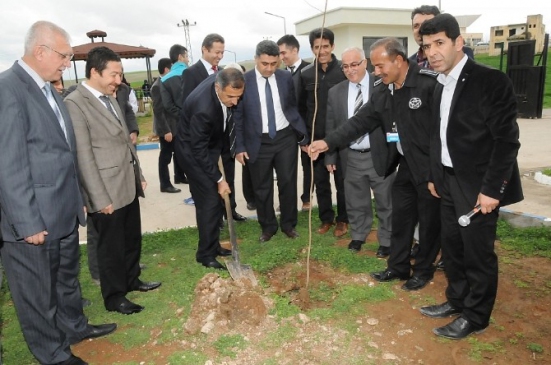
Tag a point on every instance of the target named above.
point(164, 126)
point(288, 51)
point(316, 80)
point(401, 106)
point(111, 177)
point(473, 152)
point(170, 96)
point(203, 137)
point(365, 160)
point(268, 128)
point(40, 199)
point(212, 50)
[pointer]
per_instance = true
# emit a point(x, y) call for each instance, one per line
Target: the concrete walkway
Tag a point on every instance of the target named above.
point(162, 211)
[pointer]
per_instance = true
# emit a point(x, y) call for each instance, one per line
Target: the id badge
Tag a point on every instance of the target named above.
point(392, 137)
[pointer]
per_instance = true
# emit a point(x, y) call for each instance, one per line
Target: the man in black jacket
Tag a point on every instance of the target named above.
point(329, 74)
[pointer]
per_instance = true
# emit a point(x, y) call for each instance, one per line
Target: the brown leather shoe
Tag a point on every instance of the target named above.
point(306, 206)
point(325, 227)
point(341, 229)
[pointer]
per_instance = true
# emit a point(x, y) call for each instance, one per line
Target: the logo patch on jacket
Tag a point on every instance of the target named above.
point(415, 103)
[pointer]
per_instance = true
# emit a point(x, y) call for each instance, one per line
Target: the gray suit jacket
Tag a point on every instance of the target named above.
point(38, 185)
point(105, 153)
point(337, 113)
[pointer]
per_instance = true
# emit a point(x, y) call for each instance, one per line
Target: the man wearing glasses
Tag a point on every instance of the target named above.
point(365, 160)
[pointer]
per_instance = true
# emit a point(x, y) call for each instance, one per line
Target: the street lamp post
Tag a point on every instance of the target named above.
point(282, 17)
point(234, 55)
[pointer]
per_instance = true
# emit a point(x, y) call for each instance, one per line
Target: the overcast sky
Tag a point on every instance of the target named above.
point(243, 23)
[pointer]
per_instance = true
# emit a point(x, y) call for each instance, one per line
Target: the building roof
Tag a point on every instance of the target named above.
point(122, 50)
point(466, 20)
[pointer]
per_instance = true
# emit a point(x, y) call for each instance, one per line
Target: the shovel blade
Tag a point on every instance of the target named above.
point(240, 271)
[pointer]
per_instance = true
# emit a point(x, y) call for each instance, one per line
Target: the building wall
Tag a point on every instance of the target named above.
point(532, 29)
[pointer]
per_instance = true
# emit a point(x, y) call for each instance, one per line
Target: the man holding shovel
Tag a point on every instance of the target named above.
point(204, 134)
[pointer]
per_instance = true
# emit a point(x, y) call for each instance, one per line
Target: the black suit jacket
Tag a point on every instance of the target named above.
point(337, 114)
point(410, 108)
point(123, 95)
point(297, 79)
point(193, 76)
point(482, 135)
point(201, 137)
point(248, 118)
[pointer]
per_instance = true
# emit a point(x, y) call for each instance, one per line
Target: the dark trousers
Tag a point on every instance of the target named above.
point(412, 203)
point(280, 154)
point(119, 250)
point(92, 239)
point(165, 156)
point(307, 176)
point(229, 169)
point(471, 262)
point(248, 191)
point(44, 285)
point(323, 191)
point(208, 211)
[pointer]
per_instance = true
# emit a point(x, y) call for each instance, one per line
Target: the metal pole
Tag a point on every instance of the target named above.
point(282, 17)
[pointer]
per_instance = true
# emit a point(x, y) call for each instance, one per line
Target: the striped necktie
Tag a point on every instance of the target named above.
point(47, 90)
point(357, 105)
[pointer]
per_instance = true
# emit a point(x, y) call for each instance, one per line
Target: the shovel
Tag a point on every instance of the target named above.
point(237, 270)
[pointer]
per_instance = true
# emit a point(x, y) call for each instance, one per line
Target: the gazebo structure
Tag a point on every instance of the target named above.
point(124, 51)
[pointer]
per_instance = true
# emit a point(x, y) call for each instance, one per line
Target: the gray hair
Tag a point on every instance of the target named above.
point(360, 51)
point(235, 65)
point(40, 32)
point(230, 76)
point(392, 46)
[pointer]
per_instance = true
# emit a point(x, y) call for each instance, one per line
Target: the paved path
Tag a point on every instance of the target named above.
point(161, 211)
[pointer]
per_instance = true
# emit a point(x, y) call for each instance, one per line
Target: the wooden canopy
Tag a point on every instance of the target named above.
point(123, 50)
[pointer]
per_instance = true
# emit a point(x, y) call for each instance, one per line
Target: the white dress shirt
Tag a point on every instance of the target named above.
point(281, 121)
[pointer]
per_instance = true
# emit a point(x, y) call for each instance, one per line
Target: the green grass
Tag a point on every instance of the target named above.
point(170, 258)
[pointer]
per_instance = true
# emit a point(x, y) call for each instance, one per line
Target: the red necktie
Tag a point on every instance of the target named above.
point(215, 68)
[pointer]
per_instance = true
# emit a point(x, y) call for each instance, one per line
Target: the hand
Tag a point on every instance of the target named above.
point(304, 148)
point(487, 204)
point(134, 137)
point(108, 209)
point(432, 190)
point(37, 239)
point(223, 188)
point(316, 148)
point(168, 137)
point(144, 185)
point(241, 157)
point(331, 168)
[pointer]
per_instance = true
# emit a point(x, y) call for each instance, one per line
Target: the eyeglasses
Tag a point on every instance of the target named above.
point(352, 65)
point(63, 55)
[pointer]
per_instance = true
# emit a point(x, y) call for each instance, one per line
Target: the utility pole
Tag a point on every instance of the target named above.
point(185, 24)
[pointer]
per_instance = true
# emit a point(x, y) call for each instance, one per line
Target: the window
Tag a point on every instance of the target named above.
point(499, 33)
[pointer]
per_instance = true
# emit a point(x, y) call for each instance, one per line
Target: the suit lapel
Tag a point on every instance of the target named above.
point(251, 84)
point(100, 107)
point(463, 78)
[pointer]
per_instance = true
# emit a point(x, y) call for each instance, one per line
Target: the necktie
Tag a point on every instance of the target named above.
point(215, 69)
point(230, 125)
point(292, 69)
point(357, 105)
point(107, 103)
point(46, 89)
point(271, 111)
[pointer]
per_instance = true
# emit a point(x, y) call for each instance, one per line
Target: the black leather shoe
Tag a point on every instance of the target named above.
point(170, 189)
point(415, 283)
point(387, 275)
point(355, 245)
point(440, 311)
point(181, 181)
point(147, 286)
point(383, 252)
point(92, 331)
point(440, 265)
point(238, 217)
point(251, 206)
point(212, 263)
point(73, 360)
point(224, 252)
point(265, 237)
point(459, 328)
point(127, 307)
point(291, 233)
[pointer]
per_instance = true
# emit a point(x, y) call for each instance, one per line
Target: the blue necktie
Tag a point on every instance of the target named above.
point(51, 100)
point(271, 111)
